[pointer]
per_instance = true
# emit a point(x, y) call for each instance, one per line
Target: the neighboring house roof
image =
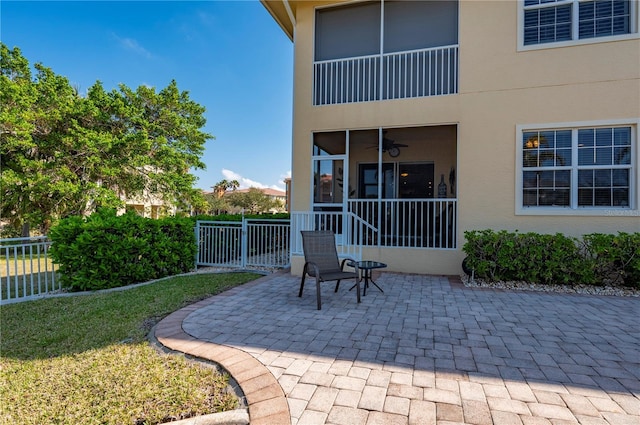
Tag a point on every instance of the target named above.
point(267, 191)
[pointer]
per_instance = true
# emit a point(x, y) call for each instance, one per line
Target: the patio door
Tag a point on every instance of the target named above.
point(414, 180)
point(329, 180)
point(400, 181)
point(368, 181)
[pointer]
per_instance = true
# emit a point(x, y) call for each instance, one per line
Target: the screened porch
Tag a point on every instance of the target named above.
point(385, 187)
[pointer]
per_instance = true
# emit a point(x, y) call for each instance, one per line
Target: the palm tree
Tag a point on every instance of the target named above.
point(223, 185)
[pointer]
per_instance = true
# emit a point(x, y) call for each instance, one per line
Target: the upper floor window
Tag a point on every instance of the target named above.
point(577, 168)
point(551, 21)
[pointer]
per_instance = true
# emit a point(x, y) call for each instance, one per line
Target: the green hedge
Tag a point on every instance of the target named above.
point(554, 259)
point(106, 251)
point(238, 217)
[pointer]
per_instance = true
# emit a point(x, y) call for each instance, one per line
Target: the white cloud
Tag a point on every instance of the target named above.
point(132, 45)
point(246, 183)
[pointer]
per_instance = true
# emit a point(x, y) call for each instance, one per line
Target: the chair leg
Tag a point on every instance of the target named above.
point(318, 293)
point(358, 289)
point(304, 275)
point(337, 285)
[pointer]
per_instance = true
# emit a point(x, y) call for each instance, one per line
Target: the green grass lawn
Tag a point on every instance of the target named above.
point(86, 359)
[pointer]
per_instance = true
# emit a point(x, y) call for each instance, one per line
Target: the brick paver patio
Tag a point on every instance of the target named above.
point(427, 351)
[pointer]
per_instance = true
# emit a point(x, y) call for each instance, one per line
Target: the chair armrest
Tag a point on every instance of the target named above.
point(347, 259)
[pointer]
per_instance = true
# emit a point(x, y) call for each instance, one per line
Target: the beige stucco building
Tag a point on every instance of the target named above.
point(416, 121)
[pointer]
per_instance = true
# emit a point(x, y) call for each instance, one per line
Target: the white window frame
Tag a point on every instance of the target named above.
point(634, 26)
point(633, 210)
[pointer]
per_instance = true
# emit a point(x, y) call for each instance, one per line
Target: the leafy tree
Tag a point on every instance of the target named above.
point(62, 154)
point(216, 201)
point(215, 205)
point(253, 201)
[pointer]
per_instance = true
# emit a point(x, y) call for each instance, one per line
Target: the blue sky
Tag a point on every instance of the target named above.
point(230, 56)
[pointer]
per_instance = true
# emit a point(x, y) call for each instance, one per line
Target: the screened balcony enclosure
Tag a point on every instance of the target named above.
point(392, 187)
point(371, 51)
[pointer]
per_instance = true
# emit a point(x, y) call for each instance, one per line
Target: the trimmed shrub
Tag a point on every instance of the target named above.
point(529, 257)
point(615, 258)
point(537, 258)
point(106, 251)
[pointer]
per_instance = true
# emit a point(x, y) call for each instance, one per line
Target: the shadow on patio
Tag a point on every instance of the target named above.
point(424, 351)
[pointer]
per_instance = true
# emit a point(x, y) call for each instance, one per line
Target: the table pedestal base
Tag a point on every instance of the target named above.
point(367, 268)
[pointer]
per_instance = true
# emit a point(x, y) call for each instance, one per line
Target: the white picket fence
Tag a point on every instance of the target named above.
point(247, 244)
point(26, 270)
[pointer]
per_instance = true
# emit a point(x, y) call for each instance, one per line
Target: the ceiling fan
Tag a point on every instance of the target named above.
point(391, 146)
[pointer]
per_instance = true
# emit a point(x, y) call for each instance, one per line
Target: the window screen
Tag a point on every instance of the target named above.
point(410, 25)
point(347, 31)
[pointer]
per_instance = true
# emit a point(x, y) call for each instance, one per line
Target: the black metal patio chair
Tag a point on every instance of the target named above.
point(322, 263)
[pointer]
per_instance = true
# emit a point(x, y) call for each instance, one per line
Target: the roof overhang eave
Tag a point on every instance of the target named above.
point(281, 12)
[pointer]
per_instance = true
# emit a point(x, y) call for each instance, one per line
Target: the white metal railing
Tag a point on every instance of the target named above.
point(267, 244)
point(347, 80)
point(350, 230)
point(250, 243)
point(413, 223)
point(414, 73)
point(26, 269)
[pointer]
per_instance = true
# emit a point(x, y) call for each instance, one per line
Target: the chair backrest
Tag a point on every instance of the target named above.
point(320, 247)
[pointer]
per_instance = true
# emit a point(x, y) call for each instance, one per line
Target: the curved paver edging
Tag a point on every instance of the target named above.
point(263, 393)
point(232, 417)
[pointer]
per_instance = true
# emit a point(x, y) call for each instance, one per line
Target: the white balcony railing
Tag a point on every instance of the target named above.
point(349, 229)
point(415, 73)
point(394, 223)
point(410, 223)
